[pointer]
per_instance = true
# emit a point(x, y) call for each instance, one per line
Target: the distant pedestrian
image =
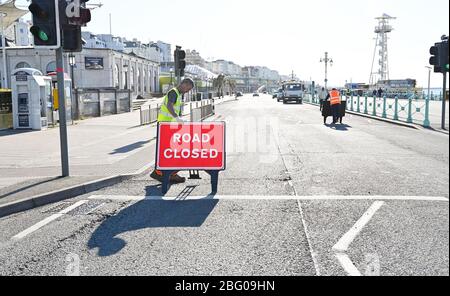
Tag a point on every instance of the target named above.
point(374, 93)
point(322, 97)
point(380, 93)
point(335, 102)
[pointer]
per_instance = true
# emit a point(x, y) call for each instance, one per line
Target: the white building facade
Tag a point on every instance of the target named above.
point(94, 68)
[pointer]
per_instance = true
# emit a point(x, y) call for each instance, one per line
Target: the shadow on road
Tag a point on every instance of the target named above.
point(150, 214)
point(130, 147)
point(339, 127)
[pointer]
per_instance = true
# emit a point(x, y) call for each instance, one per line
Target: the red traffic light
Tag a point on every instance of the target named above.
point(37, 11)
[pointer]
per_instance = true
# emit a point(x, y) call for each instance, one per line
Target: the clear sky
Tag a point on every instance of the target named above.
point(288, 35)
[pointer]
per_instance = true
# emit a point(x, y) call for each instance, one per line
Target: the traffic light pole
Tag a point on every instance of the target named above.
point(444, 102)
point(62, 113)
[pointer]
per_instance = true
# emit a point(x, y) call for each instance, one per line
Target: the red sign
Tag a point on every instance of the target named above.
point(191, 146)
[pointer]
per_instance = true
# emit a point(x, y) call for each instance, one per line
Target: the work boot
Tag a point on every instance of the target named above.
point(156, 176)
point(175, 179)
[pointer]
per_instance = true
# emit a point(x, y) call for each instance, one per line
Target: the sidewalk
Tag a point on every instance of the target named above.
point(101, 150)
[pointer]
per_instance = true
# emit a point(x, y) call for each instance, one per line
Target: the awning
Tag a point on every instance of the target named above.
point(11, 13)
point(200, 72)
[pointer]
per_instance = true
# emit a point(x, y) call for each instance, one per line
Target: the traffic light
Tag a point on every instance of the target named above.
point(46, 27)
point(180, 61)
point(74, 15)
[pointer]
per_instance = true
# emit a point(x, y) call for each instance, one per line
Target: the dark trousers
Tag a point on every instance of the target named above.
point(321, 104)
point(335, 111)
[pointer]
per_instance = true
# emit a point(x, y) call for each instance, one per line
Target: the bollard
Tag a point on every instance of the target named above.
point(426, 122)
point(374, 113)
point(396, 109)
point(366, 110)
point(384, 107)
point(359, 105)
point(410, 119)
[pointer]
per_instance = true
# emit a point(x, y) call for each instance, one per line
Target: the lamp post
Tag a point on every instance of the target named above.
point(429, 81)
point(171, 77)
point(326, 60)
point(72, 63)
point(4, 82)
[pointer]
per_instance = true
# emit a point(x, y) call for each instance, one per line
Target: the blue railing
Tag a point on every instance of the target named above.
point(410, 110)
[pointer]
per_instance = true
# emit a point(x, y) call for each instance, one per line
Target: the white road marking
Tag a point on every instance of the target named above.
point(48, 220)
point(349, 237)
point(96, 208)
point(271, 197)
point(344, 243)
point(348, 265)
point(308, 239)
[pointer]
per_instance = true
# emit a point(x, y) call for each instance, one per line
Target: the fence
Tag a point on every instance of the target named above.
point(198, 111)
point(100, 102)
point(411, 110)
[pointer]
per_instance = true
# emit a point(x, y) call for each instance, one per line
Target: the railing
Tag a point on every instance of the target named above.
point(198, 111)
point(411, 110)
point(149, 114)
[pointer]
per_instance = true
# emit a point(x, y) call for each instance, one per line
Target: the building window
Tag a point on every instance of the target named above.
point(23, 65)
point(51, 67)
point(116, 76)
point(132, 79)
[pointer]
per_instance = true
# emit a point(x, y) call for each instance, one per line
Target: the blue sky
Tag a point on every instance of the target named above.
point(287, 35)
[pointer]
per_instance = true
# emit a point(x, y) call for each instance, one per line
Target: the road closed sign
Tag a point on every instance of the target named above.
point(191, 146)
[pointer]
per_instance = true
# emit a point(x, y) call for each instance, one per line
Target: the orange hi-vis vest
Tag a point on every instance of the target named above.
point(335, 98)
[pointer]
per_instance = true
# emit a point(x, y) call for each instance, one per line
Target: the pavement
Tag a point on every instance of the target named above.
point(298, 198)
point(100, 150)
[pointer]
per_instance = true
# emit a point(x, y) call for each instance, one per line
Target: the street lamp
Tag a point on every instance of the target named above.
point(72, 63)
point(326, 60)
point(171, 77)
point(429, 81)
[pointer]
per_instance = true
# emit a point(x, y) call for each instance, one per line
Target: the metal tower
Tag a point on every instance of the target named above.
point(381, 45)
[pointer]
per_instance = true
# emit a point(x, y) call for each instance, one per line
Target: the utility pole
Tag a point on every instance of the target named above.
point(326, 60)
point(4, 70)
point(62, 113)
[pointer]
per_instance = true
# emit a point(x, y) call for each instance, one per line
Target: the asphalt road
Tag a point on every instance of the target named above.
point(297, 198)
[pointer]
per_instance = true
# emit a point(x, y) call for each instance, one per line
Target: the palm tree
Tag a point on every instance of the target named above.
point(219, 83)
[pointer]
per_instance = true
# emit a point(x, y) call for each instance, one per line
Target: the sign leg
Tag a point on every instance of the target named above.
point(214, 180)
point(166, 181)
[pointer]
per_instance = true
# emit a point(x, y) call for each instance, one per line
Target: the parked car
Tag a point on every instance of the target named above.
point(280, 95)
point(239, 94)
point(255, 95)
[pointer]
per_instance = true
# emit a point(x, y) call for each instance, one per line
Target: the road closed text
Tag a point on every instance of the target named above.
point(180, 140)
point(191, 146)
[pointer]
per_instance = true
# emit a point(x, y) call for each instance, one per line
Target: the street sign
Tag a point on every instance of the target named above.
point(191, 146)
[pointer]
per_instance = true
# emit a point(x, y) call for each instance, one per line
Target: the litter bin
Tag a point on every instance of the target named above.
point(326, 111)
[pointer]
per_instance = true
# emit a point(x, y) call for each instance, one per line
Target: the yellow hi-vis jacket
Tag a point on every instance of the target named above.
point(164, 114)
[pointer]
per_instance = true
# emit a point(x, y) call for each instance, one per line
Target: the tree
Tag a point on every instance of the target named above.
point(219, 83)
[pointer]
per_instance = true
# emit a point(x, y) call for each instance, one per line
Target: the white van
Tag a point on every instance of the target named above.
point(293, 92)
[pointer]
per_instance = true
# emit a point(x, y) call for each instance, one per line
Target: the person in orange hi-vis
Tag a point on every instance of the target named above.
point(335, 102)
